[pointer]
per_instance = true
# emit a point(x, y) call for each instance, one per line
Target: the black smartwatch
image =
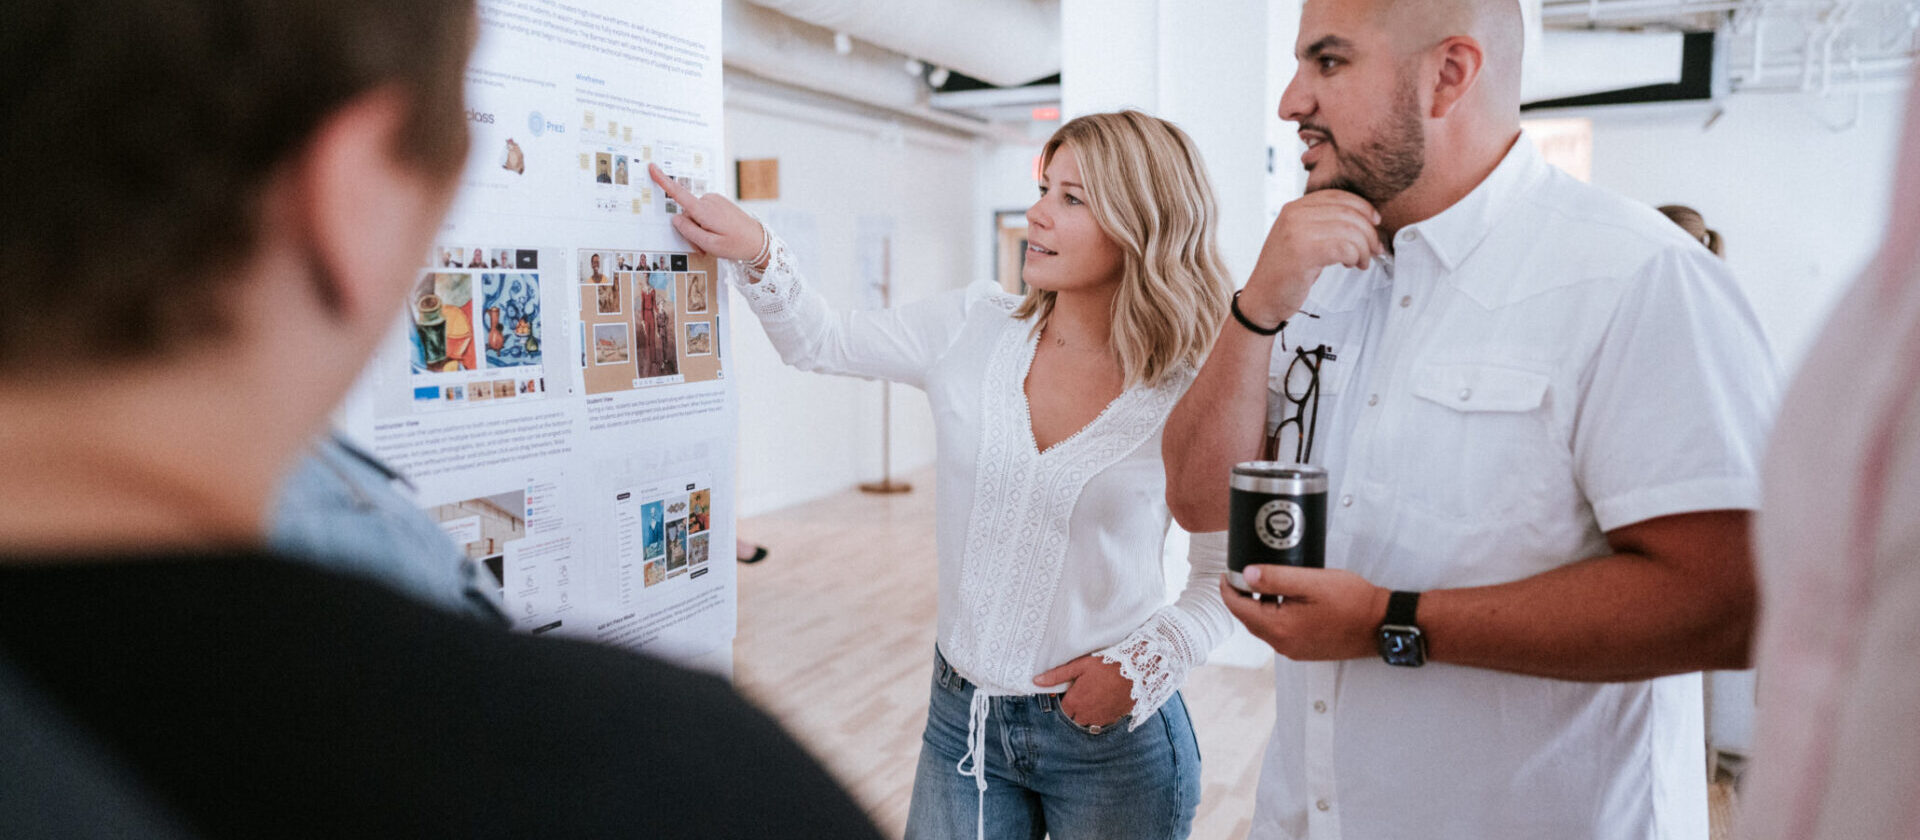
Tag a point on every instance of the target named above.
point(1401, 642)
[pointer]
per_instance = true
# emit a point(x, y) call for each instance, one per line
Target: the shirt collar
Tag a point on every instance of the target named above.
point(1453, 233)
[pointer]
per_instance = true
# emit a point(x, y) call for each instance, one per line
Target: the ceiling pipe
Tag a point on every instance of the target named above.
point(1564, 13)
point(1001, 42)
point(785, 51)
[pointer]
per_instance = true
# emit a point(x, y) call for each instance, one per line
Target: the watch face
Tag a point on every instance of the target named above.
point(1403, 647)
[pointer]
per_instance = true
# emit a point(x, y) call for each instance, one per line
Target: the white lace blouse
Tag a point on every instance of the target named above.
point(1044, 556)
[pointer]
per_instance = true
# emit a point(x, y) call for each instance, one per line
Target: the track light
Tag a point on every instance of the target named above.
point(842, 43)
point(914, 67)
point(938, 77)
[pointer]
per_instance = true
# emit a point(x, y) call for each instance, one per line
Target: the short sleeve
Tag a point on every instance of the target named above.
point(1675, 407)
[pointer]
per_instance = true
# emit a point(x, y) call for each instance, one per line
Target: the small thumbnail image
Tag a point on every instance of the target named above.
point(426, 392)
point(503, 388)
point(699, 186)
point(620, 170)
point(512, 319)
point(700, 511)
point(700, 338)
point(654, 326)
point(594, 268)
point(697, 293)
point(533, 386)
point(526, 259)
point(610, 344)
point(697, 549)
point(477, 260)
point(623, 261)
point(514, 159)
point(496, 567)
point(504, 259)
point(480, 392)
point(676, 545)
point(653, 535)
point(678, 263)
point(452, 256)
point(656, 572)
point(456, 393)
point(602, 168)
point(442, 334)
point(606, 299)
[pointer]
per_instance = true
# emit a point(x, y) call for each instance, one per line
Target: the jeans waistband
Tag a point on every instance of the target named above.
point(947, 677)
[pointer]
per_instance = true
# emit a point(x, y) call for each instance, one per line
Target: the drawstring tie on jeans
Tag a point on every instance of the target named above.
point(977, 750)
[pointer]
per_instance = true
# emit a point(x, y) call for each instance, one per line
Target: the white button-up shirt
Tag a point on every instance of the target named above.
point(1539, 364)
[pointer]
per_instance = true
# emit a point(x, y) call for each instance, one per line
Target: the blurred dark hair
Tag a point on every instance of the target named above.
point(1695, 225)
point(140, 134)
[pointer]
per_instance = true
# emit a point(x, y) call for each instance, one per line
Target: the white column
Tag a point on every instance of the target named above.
point(1109, 56)
point(1206, 66)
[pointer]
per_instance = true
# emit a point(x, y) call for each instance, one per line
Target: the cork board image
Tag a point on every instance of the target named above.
point(654, 306)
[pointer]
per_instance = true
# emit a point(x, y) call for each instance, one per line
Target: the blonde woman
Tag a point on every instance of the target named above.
point(1055, 707)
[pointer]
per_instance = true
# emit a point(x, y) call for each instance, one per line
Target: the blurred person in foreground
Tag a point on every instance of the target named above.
point(214, 213)
point(343, 508)
point(1837, 742)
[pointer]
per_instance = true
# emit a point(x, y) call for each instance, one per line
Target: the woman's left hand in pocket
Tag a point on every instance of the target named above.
point(1099, 694)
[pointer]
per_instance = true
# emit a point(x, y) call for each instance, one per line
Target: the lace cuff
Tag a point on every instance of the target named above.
point(772, 293)
point(1156, 658)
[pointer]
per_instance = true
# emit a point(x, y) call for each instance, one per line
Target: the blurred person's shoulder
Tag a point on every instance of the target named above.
point(339, 707)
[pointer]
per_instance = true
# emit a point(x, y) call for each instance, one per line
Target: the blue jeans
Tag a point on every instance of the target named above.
point(1048, 776)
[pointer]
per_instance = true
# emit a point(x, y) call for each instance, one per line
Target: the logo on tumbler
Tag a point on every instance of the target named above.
point(1278, 524)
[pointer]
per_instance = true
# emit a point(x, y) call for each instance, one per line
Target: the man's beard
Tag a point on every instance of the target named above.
point(1383, 167)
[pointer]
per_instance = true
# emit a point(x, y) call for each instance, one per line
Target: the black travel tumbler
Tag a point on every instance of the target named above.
point(1278, 516)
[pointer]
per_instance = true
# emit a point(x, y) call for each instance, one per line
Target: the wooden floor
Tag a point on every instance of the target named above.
point(836, 641)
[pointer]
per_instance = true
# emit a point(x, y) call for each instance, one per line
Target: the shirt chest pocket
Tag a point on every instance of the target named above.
point(1480, 442)
point(1301, 398)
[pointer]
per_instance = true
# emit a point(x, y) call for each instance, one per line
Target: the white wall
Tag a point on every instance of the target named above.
point(803, 436)
point(1005, 182)
point(1802, 206)
point(1201, 66)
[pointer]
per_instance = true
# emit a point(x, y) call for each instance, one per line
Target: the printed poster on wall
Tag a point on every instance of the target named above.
point(556, 388)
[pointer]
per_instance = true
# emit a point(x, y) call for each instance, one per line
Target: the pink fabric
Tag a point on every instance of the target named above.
point(1838, 741)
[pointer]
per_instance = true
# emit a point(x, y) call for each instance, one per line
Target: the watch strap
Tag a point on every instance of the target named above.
point(1401, 607)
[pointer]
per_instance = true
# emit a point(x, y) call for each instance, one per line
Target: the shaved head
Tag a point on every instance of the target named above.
point(1419, 25)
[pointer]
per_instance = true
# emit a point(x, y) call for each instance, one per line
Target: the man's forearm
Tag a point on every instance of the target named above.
point(1625, 616)
point(1220, 422)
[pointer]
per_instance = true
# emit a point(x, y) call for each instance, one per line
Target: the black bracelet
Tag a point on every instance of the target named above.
point(1242, 318)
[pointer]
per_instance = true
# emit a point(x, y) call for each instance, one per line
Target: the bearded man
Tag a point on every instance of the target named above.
point(1541, 407)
